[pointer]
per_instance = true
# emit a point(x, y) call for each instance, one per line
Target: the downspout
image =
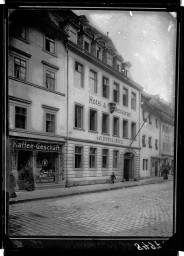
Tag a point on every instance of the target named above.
point(139, 135)
point(67, 103)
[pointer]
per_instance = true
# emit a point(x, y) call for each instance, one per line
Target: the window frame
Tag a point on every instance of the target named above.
point(106, 85)
point(82, 116)
point(116, 118)
point(144, 141)
point(95, 89)
point(95, 158)
point(81, 154)
point(133, 135)
point(96, 119)
point(133, 101)
point(82, 74)
point(150, 142)
point(107, 158)
point(26, 67)
point(107, 115)
point(118, 91)
point(115, 158)
point(127, 95)
point(74, 32)
point(125, 137)
point(99, 52)
point(50, 38)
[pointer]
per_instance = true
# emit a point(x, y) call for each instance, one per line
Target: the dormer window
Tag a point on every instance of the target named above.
point(118, 66)
point(73, 34)
point(87, 44)
point(99, 52)
point(109, 59)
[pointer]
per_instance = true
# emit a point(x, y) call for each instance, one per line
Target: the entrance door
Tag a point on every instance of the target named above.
point(128, 166)
point(156, 168)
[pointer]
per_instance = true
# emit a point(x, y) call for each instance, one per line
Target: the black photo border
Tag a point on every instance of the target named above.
point(98, 245)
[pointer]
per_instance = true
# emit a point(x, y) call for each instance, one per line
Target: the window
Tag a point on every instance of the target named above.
point(20, 68)
point(144, 140)
point(133, 101)
point(115, 159)
point(125, 97)
point(105, 123)
point(50, 122)
point(93, 120)
point(92, 158)
point(125, 129)
point(86, 46)
point(150, 122)
point(21, 32)
point(150, 142)
point(145, 164)
point(99, 52)
point(133, 130)
point(116, 92)
point(78, 157)
point(144, 115)
point(104, 158)
point(50, 79)
point(105, 89)
point(79, 74)
point(156, 122)
point(109, 59)
point(156, 144)
point(50, 44)
point(20, 117)
point(73, 35)
point(93, 81)
point(116, 126)
point(78, 117)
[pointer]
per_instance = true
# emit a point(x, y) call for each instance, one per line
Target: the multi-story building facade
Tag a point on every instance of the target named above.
point(37, 96)
point(157, 135)
point(103, 108)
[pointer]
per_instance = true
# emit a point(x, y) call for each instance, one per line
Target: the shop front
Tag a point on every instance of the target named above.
point(44, 160)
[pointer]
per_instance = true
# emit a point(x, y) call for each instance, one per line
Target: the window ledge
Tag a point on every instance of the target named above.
point(79, 129)
point(92, 131)
point(105, 134)
point(37, 86)
point(54, 55)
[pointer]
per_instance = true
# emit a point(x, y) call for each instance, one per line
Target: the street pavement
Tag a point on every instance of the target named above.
point(128, 211)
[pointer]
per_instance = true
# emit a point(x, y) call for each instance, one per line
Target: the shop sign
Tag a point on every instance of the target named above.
point(110, 140)
point(40, 146)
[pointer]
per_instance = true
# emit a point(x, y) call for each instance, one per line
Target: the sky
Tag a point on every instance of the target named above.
point(146, 39)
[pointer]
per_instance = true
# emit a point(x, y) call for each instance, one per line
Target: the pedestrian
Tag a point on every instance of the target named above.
point(113, 177)
point(12, 185)
point(29, 178)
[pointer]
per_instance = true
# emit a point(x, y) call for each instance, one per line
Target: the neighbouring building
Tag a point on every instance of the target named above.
point(157, 135)
point(37, 96)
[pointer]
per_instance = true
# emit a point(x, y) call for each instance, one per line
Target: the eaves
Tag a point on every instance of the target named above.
point(89, 57)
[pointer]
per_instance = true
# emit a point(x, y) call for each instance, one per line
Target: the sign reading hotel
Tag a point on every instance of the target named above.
point(35, 145)
point(100, 103)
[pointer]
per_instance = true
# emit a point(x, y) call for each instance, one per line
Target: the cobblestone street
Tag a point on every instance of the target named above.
point(137, 211)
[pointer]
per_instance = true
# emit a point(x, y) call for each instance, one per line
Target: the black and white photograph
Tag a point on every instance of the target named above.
point(91, 124)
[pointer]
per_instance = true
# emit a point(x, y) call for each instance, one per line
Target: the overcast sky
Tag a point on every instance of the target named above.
point(147, 40)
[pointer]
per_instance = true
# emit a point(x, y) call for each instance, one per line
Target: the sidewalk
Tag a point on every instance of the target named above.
point(40, 194)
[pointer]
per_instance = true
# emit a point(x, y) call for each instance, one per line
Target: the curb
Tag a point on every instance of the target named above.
point(88, 192)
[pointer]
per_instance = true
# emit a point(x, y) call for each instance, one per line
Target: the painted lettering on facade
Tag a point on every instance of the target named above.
point(100, 103)
point(108, 139)
point(96, 102)
point(35, 146)
point(122, 112)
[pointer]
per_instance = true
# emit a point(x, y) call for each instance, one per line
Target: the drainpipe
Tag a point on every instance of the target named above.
point(139, 134)
point(67, 82)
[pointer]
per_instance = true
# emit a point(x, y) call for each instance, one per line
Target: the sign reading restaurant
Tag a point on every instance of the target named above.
point(31, 145)
point(108, 139)
point(100, 103)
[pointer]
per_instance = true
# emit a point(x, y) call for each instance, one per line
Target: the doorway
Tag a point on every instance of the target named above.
point(128, 166)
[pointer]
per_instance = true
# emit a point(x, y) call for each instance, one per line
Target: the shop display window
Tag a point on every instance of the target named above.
point(45, 168)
